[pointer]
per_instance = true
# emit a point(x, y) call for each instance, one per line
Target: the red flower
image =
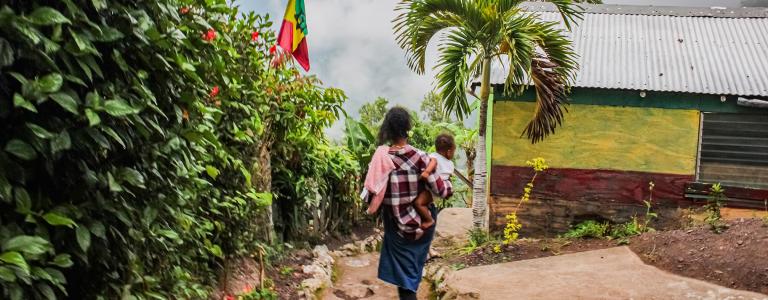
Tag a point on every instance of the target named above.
point(214, 92)
point(210, 35)
point(254, 36)
point(184, 10)
point(229, 297)
point(273, 49)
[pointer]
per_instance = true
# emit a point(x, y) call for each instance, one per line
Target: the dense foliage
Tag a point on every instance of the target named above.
point(140, 142)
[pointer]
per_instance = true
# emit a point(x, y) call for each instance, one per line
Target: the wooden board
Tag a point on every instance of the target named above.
point(652, 140)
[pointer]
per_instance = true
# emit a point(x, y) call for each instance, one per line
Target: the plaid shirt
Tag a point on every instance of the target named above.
point(404, 186)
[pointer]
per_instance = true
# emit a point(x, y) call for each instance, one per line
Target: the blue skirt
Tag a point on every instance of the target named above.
point(402, 260)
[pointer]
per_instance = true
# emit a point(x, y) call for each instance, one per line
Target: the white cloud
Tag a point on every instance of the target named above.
point(352, 47)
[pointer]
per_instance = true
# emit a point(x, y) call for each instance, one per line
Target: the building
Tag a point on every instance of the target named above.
point(668, 95)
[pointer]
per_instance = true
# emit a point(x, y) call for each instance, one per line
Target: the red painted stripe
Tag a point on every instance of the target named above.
point(590, 185)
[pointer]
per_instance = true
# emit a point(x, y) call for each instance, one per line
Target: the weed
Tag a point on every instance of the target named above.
point(258, 294)
point(458, 266)
point(588, 229)
point(513, 226)
point(622, 232)
point(285, 271)
point(715, 202)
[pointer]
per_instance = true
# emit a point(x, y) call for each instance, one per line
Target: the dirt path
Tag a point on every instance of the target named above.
point(356, 279)
point(615, 273)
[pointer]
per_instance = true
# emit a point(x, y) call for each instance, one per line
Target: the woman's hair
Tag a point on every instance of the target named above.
point(396, 125)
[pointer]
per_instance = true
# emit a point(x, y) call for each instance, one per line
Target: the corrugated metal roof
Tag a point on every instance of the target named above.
point(678, 53)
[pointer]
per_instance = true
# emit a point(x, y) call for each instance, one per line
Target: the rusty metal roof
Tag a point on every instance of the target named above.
point(696, 50)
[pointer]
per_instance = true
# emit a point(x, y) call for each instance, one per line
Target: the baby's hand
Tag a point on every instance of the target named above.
point(425, 175)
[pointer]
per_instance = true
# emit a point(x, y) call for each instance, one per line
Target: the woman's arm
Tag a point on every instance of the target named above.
point(430, 168)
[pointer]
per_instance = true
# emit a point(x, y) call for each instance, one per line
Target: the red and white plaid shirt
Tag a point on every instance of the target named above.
point(404, 187)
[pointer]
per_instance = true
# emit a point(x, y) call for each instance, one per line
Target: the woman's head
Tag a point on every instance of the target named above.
point(395, 127)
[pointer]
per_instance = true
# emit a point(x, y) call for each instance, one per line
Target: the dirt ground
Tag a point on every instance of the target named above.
point(736, 258)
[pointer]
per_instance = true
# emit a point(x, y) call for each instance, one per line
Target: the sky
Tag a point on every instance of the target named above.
point(352, 47)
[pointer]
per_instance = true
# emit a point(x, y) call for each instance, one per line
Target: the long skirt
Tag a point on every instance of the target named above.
point(402, 260)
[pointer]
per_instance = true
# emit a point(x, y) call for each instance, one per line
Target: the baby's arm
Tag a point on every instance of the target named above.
point(430, 168)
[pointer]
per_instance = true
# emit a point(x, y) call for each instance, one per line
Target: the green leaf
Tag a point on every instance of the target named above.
point(65, 101)
point(110, 34)
point(21, 149)
point(23, 202)
point(216, 250)
point(61, 142)
point(7, 55)
point(99, 4)
point(62, 260)
point(119, 108)
point(50, 83)
point(16, 259)
point(93, 117)
point(6, 189)
point(19, 101)
point(212, 171)
point(113, 185)
point(45, 15)
point(83, 238)
point(32, 245)
point(56, 219)
point(39, 131)
point(97, 228)
point(6, 274)
point(111, 132)
point(169, 234)
point(93, 99)
point(46, 291)
point(132, 176)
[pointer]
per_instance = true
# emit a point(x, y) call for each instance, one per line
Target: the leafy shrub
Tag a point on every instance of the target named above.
point(137, 144)
point(715, 202)
point(588, 229)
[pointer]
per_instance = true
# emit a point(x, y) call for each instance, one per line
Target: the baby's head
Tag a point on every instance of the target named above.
point(445, 145)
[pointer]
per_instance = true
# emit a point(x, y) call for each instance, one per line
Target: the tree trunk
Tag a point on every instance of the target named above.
point(479, 199)
point(261, 177)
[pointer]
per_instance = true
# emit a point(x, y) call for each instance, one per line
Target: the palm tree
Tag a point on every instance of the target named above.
point(476, 33)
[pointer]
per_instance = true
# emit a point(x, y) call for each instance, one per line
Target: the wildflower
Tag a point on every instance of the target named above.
point(229, 297)
point(247, 289)
point(185, 115)
point(214, 92)
point(273, 49)
point(209, 35)
point(184, 10)
point(254, 36)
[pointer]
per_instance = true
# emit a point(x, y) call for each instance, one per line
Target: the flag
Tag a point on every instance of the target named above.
point(293, 33)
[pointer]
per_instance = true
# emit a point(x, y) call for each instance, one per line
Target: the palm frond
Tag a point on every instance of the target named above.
point(569, 10)
point(540, 53)
point(454, 71)
point(551, 99)
point(421, 20)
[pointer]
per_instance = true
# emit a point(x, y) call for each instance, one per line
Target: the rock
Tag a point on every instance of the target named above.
point(740, 242)
point(357, 291)
point(312, 284)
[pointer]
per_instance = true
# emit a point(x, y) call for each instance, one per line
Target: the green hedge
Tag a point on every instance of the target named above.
point(122, 172)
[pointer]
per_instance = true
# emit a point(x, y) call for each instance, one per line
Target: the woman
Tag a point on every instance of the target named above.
point(405, 245)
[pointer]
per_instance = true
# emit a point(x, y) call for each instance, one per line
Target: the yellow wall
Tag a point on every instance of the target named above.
point(602, 137)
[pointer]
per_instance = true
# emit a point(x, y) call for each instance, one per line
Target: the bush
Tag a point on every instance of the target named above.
point(135, 154)
point(588, 229)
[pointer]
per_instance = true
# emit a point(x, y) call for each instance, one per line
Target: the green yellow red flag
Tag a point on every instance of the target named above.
point(293, 33)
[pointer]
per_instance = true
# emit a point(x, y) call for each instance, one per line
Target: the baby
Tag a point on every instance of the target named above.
point(441, 163)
